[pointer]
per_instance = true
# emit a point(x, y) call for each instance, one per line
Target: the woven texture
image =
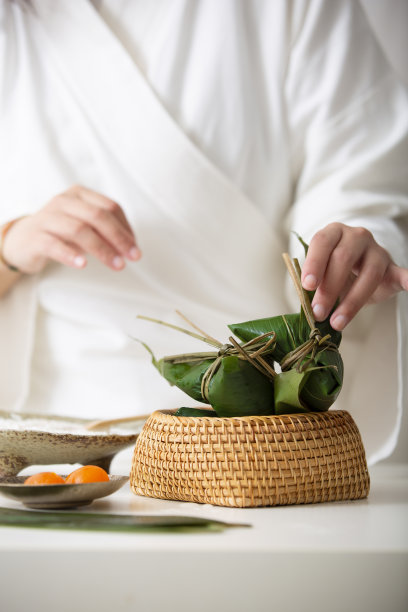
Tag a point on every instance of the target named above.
point(251, 461)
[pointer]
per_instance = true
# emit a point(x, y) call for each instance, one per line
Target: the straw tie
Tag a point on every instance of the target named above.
point(252, 351)
point(316, 341)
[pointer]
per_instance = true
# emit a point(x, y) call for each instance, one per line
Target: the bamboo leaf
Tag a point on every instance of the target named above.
point(302, 242)
point(149, 350)
point(325, 381)
point(109, 522)
point(239, 389)
point(186, 376)
point(194, 412)
point(288, 387)
point(312, 390)
point(291, 331)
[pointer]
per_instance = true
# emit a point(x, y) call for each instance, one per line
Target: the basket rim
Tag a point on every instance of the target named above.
point(169, 416)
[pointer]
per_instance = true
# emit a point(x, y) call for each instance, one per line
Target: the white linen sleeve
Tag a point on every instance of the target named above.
point(12, 98)
point(348, 120)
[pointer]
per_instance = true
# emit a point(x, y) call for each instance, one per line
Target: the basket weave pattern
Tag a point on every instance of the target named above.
point(251, 461)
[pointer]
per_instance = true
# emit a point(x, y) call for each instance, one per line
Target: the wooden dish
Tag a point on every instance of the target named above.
point(21, 445)
point(59, 496)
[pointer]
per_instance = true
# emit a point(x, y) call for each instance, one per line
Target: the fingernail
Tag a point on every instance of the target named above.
point(117, 262)
point(134, 253)
point(310, 282)
point(318, 311)
point(79, 261)
point(339, 322)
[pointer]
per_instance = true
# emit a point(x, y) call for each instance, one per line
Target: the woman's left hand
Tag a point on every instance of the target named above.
point(347, 264)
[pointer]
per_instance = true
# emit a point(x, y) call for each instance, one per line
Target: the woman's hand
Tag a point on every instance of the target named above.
point(74, 224)
point(346, 263)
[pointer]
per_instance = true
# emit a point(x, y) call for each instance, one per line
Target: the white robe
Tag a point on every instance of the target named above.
point(219, 127)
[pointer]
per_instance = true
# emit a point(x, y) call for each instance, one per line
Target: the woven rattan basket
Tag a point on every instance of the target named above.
point(251, 461)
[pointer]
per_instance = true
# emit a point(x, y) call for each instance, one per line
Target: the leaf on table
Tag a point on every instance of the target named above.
point(45, 519)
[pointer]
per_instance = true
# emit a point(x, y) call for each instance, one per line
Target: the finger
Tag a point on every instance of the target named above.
point(105, 223)
point(102, 201)
point(343, 261)
point(321, 247)
point(370, 277)
point(347, 286)
point(74, 231)
point(52, 247)
point(395, 280)
point(397, 277)
point(91, 242)
point(98, 200)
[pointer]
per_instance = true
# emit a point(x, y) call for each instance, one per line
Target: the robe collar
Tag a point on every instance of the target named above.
point(149, 144)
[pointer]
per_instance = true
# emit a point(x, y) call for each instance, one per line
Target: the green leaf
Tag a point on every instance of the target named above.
point(239, 389)
point(325, 381)
point(149, 350)
point(109, 522)
point(187, 376)
point(302, 242)
point(288, 387)
point(313, 390)
point(291, 331)
point(194, 412)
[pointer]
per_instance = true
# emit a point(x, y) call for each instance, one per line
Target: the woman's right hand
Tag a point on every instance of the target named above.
point(74, 224)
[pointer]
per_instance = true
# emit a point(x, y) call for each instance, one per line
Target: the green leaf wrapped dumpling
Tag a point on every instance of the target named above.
point(235, 380)
point(240, 379)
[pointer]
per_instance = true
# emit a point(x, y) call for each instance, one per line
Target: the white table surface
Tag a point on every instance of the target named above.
point(344, 556)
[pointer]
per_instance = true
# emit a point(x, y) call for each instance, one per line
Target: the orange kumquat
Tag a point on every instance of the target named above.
point(87, 473)
point(44, 478)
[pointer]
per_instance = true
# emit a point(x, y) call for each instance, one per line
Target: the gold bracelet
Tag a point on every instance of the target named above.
point(3, 234)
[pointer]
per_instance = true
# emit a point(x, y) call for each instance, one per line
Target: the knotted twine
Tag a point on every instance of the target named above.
point(316, 342)
point(253, 351)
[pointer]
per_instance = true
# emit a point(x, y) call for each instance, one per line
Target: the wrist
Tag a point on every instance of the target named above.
point(3, 233)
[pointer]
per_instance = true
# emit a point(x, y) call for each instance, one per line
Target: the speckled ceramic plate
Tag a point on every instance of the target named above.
point(27, 440)
point(58, 496)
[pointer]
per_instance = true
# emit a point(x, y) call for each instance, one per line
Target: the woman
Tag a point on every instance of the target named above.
point(219, 129)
